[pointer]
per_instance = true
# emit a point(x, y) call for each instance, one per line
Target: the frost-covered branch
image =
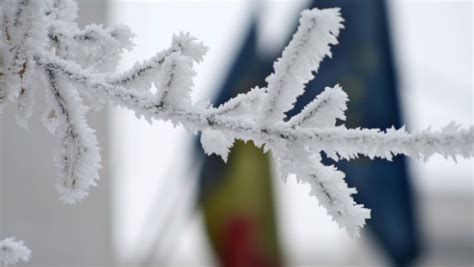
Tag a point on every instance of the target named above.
point(72, 64)
point(308, 47)
point(77, 158)
point(313, 129)
point(142, 75)
point(13, 251)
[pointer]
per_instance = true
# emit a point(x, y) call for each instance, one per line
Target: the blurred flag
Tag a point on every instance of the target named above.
point(237, 197)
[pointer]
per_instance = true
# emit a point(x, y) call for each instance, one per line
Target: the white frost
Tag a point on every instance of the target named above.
point(215, 142)
point(318, 30)
point(13, 251)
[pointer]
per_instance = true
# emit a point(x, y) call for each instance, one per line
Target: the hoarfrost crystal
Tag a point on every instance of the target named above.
point(13, 251)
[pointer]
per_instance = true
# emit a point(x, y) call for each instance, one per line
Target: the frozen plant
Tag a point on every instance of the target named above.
point(13, 251)
point(42, 48)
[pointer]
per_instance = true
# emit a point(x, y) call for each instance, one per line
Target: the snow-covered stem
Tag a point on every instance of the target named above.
point(308, 47)
point(143, 72)
point(347, 143)
point(13, 251)
point(73, 64)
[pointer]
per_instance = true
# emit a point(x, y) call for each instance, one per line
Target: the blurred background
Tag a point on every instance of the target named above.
point(161, 203)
